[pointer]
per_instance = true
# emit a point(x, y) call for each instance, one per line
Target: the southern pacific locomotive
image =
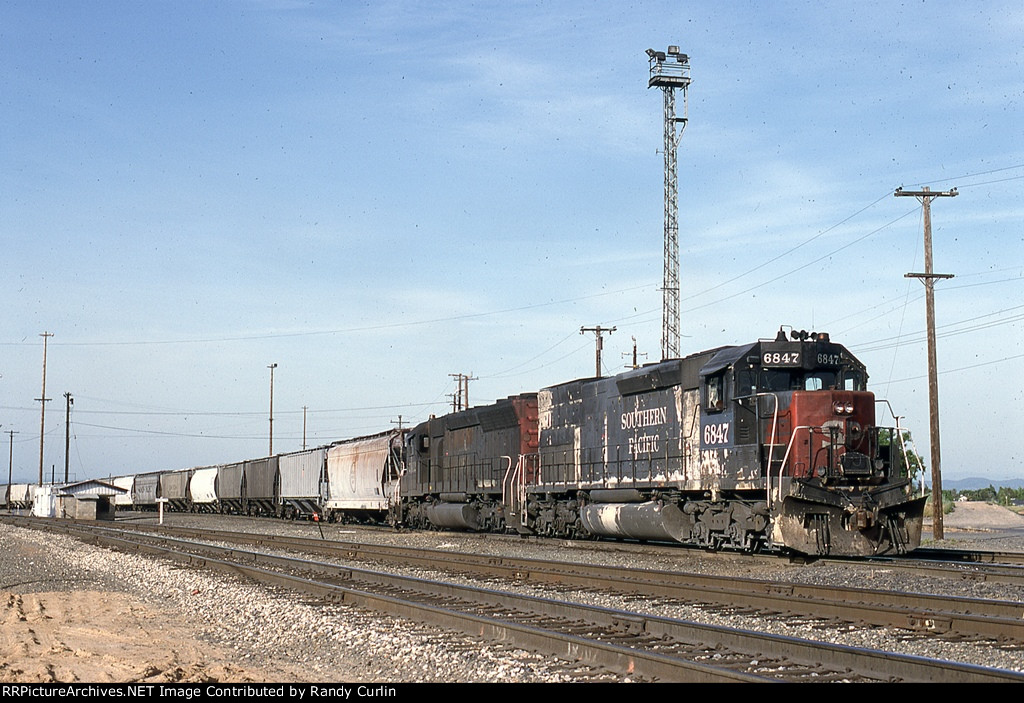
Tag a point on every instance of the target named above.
point(768, 446)
point(771, 445)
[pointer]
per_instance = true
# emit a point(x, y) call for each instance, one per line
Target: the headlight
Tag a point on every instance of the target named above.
point(849, 408)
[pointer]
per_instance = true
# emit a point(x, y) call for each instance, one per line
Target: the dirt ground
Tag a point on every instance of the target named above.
point(979, 517)
point(107, 637)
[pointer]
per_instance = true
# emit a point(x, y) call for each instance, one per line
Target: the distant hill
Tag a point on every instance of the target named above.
point(974, 483)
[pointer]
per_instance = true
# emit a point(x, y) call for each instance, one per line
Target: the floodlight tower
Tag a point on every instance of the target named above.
point(671, 70)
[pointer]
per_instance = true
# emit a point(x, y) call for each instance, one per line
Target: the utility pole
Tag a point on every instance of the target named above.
point(671, 70)
point(925, 196)
point(636, 363)
point(599, 343)
point(42, 414)
point(460, 399)
point(69, 401)
point(272, 367)
point(457, 395)
point(10, 469)
point(465, 380)
point(304, 427)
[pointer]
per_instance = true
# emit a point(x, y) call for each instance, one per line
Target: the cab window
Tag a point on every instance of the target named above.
point(714, 392)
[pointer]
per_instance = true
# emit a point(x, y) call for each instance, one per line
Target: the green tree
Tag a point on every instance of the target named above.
point(1006, 495)
point(905, 460)
point(985, 495)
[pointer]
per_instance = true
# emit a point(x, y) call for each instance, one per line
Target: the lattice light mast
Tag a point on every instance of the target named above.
point(671, 70)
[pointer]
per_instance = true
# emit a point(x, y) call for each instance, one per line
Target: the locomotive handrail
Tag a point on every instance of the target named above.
point(782, 466)
point(899, 432)
point(505, 480)
point(771, 445)
point(515, 481)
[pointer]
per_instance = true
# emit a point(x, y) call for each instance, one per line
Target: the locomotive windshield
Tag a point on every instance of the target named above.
point(760, 380)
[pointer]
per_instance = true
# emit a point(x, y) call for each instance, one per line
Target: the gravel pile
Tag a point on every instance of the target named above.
point(339, 643)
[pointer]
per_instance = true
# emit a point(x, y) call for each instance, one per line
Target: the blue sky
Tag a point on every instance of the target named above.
point(377, 195)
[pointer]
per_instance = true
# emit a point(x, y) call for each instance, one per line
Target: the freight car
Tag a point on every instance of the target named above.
point(260, 486)
point(771, 445)
point(362, 476)
point(174, 488)
point(302, 484)
point(19, 496)
point(145, 491)
point(354, 480)
point(202, 490)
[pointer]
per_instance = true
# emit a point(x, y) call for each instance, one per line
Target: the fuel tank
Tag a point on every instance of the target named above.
point(460, 516)
point(652, 520)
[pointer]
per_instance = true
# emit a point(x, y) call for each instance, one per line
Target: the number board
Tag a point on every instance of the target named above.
point(784, 355)
point(829, 356)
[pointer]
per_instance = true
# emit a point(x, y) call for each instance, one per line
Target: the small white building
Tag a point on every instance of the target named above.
point(87, 500)
point(44, 501)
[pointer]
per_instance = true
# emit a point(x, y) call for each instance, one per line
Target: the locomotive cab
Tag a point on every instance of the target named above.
point(799, 409)
point(795, 407)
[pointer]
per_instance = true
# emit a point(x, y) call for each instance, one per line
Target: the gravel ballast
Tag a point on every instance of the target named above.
point(345, 643)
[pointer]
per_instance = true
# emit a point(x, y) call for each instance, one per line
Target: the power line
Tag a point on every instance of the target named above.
point(880, 344)
point(202, 413)
point(961, 368)
point(974, 175)
point(790, 250)
point(348, 330)
point(803, 266)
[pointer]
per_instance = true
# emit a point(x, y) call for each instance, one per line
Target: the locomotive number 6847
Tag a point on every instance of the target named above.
point(769, 445)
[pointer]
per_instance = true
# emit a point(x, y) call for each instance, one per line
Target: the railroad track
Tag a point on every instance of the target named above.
point(964, 564)
point(644, 646)
point(968, 556)
point(918, 615)
point(973, 566)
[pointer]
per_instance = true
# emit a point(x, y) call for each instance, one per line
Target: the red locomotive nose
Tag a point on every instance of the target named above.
point(854, 434)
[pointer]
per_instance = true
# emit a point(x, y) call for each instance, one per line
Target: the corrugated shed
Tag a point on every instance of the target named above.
point(91, 488)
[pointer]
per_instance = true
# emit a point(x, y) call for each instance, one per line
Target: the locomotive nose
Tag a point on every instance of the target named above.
point(854, 434)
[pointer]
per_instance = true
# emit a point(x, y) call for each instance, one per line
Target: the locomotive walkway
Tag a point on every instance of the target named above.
point(653, 648)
